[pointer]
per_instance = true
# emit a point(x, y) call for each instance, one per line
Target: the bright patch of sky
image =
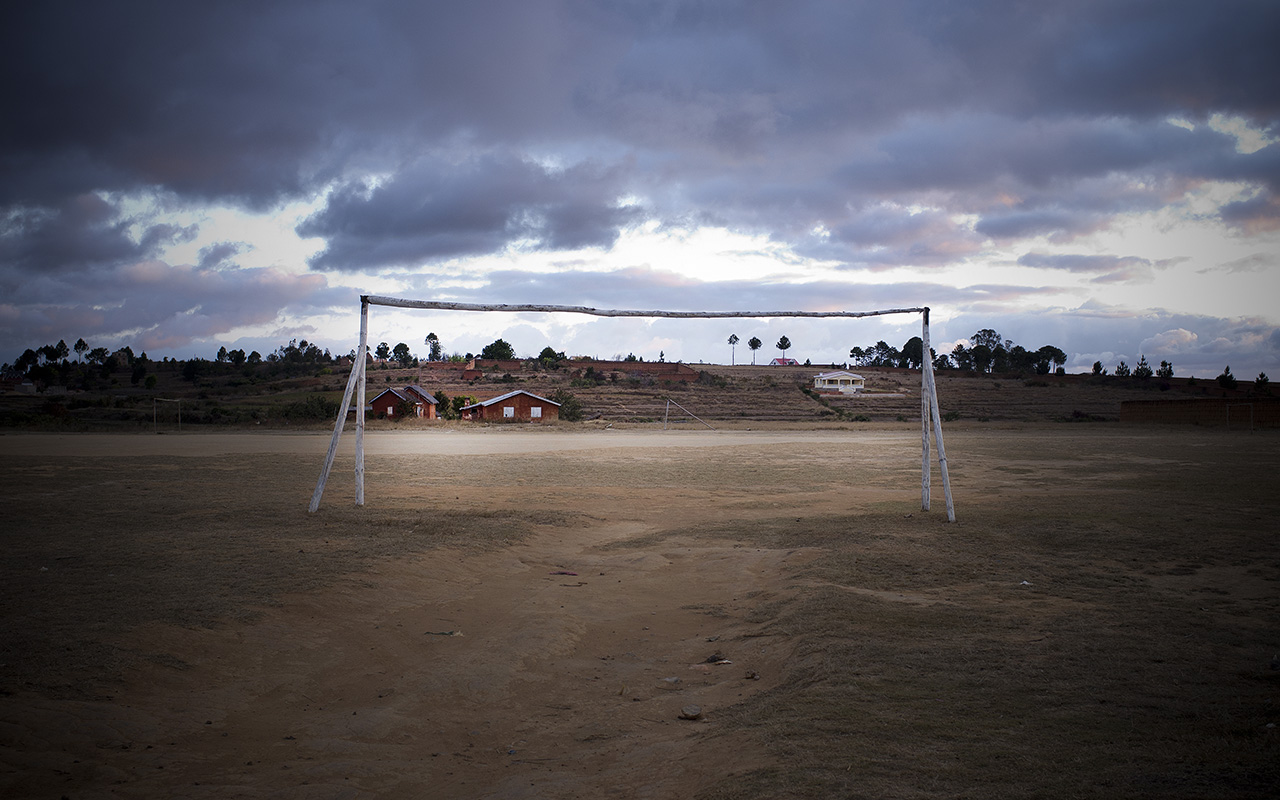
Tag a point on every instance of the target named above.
point(269, 239)
point(1249, 137)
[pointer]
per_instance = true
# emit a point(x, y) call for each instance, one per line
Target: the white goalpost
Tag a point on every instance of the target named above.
point(930, 419)
point(155, 417)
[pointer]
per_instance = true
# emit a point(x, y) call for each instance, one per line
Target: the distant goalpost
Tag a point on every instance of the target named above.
point(356, 383)
point(155, 417)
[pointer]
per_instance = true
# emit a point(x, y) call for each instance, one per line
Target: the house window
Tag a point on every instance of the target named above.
point(509, 412)
point(391, 410)
point(535, 412)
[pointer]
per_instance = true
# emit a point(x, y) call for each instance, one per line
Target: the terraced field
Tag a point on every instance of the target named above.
point(721, 395)
point(780, 395)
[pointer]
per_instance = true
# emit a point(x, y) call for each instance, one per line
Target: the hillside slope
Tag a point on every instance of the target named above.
point(721, 394)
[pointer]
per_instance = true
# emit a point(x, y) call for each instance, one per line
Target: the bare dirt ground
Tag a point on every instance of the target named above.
point(527, 613)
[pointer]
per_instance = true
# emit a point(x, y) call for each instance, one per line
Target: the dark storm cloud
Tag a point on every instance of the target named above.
point(1255, 215)
point(1044, 176)
point(251, 103)
point(872, 134)
point(822, 66)
point(885, 237)
point(220, 254)
point(156, 305)
point(437, 210)
point(82, 232)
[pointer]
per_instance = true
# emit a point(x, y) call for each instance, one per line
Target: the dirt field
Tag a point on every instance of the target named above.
point(527, 613)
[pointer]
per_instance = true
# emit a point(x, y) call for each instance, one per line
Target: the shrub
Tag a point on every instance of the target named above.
point(570, 406)
point(314, 407)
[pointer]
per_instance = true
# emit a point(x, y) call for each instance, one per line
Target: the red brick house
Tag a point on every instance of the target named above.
point(387, 404)
point(517, 406)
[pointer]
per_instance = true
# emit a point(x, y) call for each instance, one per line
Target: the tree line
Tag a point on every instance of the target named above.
point(987, 351)
point(52, 363)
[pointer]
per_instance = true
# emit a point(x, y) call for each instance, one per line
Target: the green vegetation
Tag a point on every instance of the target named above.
point(499, 350)
point(435, 351)
point(82, 387)
point(987, 352)
point(570, 406)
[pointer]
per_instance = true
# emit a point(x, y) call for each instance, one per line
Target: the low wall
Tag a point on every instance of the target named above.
point(1261, 412)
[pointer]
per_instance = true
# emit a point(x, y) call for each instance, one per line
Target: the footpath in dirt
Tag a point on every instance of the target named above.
point(568, 664)
point(553, 669)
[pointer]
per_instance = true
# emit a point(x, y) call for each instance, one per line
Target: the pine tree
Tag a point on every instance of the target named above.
point(1143, 370)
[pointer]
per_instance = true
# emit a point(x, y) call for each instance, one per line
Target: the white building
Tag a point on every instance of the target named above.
point(840, 381)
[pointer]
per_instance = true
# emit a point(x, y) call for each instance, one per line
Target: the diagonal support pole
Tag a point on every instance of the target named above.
point(357, 375)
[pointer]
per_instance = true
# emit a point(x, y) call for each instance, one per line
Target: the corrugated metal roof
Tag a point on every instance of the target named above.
point(425, 395)
point(428, 396)
point(507, 396)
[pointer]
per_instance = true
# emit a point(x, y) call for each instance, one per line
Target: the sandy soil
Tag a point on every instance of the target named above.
point(555, 667)
point(501, 620)
point(546, 670)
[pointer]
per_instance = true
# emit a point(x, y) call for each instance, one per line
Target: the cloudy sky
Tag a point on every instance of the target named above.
point(1101, 176)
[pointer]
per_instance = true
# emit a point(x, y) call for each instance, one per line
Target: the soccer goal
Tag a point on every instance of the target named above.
point(930, 419)
point(155, 414)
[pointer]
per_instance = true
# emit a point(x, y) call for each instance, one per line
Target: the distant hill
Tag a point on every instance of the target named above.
point(615, 392)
